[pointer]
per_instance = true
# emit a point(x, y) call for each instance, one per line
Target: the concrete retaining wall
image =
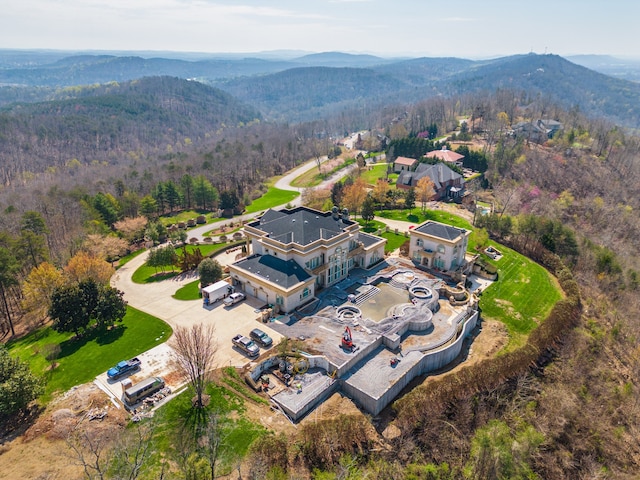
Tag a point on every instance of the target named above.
point(362, 354)
point(428, 362)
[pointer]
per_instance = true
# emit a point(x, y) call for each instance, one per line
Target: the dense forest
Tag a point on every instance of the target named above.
point(564, 406)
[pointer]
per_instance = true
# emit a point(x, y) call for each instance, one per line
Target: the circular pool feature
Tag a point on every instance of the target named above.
point(348, 312)
point(420, 292)
point(404, 277)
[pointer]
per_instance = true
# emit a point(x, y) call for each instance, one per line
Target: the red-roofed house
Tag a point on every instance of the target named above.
point(404, 164)
point(446, 155)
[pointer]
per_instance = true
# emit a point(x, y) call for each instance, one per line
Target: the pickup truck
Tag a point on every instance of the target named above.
point(123, 367)
point(233, 299)
point(246, 345)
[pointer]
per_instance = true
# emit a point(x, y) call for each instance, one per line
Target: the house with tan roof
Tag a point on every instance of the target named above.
point(446, 155)
point(404, 164)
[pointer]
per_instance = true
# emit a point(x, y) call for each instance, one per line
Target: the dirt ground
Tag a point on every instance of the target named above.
point(42, 454)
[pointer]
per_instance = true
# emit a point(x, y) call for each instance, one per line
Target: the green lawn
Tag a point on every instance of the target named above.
point(313, 177)
point(80, 360)
point(129, 257)
point(273, 198)
point(394, 241)
point(146, 274)
point(227, 403)
point(372, 226)
point(525, 292)
point(191, 291)
point(522, 297)
point(183, 216)
point(372, 173)
point(416, 216)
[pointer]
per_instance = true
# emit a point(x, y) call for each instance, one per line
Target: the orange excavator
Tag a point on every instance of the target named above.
point(347, 340)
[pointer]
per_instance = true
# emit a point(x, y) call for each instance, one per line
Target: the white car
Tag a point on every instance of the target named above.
point(233, 299)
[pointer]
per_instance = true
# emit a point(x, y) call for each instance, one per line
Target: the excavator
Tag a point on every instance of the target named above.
point(347, 340)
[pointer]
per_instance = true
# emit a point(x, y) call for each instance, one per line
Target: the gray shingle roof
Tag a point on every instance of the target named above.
point(439, 173)
point(367, 239)
point(286, 273)
point(440, 230)
point(300, 225)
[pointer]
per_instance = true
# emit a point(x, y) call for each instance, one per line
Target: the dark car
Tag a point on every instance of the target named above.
point(261, 338)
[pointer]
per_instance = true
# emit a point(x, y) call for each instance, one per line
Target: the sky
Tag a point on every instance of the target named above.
point(435, 28)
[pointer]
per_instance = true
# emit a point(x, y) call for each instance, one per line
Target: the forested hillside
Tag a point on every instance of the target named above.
point(304, 94)
point(107, 123)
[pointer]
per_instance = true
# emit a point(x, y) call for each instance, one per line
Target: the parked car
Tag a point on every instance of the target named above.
point(123, 367)
point(233, 299)
point(261, 338)
point(246, 345)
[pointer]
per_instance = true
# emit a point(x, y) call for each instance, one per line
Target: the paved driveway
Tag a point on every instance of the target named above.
point(156, 299)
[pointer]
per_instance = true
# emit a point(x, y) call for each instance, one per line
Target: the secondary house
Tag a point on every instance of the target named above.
point(447, 183)
point(447, 156)
point(438, 246)
point(402, 164)
point(294, 252)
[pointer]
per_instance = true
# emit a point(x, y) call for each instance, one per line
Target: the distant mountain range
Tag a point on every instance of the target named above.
point(310, 86)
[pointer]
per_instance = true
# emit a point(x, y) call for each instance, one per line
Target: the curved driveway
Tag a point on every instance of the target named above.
point(156, 298)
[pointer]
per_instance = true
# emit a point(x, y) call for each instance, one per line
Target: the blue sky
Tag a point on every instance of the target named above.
point(461, 28)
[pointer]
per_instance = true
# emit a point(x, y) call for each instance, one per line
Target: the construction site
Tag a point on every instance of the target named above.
point(366, 337)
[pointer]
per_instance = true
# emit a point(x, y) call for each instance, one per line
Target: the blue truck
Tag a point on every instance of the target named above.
point(123, 368)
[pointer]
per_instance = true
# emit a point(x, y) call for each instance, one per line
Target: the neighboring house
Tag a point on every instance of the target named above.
point(538, 132)
point(447, 156)
point(295, 252)
point(402, 164)
point(447, 183)
point(438, 246)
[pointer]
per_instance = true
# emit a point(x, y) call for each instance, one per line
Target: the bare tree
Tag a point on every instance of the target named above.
point(106, 453)
point(91, 450)
point(195, 349)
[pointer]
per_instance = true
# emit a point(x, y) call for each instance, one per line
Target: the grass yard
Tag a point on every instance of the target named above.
point(129, 257)
point(227, 403)
point(80, 360)
point(146, 274)
point(522, 297)
point(374, 172)
point(525, 292)
point(273, 198)
point(183, 216)
point(313, 177)
point(372, 226)
point(310, 178)
point(191, 291)
point(394, 241)
point(416, 216)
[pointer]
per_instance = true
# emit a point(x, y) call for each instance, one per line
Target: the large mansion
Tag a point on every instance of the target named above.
point(293, 253)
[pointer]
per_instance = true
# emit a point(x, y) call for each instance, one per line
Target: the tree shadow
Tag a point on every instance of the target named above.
point(110, 335)
point(100, 335)
point(72, 345)
point(158, 277)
